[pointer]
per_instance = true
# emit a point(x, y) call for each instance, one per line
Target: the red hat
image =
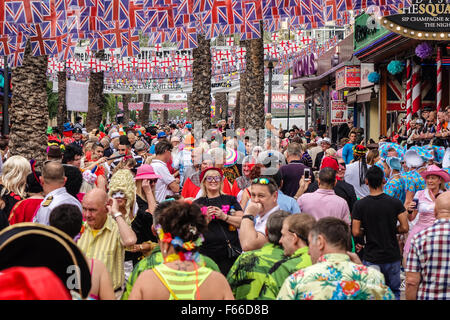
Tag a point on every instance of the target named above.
point(24, 283)
point(208, 169)
point(329, 162)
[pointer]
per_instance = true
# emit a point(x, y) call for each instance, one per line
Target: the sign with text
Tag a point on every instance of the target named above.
point(305, 66)
point(366, 69)
point(423, 19)
point(348, 77)
point(339, 112)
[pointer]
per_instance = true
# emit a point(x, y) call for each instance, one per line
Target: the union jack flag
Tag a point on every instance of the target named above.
point(9, 28)
point(21, 11)
point(231, 29)
point(272, 25)
point(250, 30)
point(100, 42)
point(224, 12)
point(166, 17)
point(212, 31)
point(252, 9)
point(270, 9)
point(81, 3)
point(40, 45)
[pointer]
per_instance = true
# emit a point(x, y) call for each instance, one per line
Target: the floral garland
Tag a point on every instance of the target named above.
point(189, 246)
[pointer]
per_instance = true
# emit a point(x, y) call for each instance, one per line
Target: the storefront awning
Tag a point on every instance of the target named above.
point(360, 96)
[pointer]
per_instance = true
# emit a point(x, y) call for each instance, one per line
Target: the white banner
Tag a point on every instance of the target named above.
point(77, 96)
point(339, 112)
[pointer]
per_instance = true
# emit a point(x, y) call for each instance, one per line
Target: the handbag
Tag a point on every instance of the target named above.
point(232, 251)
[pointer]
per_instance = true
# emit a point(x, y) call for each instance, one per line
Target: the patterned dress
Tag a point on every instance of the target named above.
point(414, 181)
point(335, 277)
point(396, 187)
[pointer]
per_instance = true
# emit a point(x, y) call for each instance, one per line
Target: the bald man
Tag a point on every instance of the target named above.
point(106, 234)
point(428, 264)
point(53, 180)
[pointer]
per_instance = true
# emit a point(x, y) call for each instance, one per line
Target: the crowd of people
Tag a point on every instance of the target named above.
point(153, 212)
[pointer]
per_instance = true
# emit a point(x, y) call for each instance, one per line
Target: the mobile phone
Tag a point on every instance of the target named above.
point(307, 174)
point(416, 201)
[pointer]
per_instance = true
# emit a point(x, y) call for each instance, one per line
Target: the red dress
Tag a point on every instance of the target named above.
point(24, 211)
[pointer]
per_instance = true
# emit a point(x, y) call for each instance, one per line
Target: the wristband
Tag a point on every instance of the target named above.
point(249, 216)
point(116, 215)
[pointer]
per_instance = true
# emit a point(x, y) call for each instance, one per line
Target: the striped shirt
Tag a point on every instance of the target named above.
point(430, 256)
point(106, 247)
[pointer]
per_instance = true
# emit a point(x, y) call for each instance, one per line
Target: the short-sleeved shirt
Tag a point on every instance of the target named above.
point(347, 153)
point(215, 243)
point(352, 176)
point(430, 256)
point(292, 173)
point(52, 200)
point(105, 245)
point(335, 277)
point(162, 185)
point(379, 216)
point(287, 203)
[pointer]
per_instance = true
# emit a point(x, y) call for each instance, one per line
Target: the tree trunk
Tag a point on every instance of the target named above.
point(62, 106)
point(237, 111)
point(96, 98)
point(144, 114)
point(126, 112)
point(29, 112)
point(200, 100)
point(189, 111)
point(221, 105)
point(243, 87)
point(254, 108)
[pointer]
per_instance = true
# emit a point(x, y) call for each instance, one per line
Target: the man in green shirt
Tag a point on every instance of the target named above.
point(294, 239)
point(259, 274)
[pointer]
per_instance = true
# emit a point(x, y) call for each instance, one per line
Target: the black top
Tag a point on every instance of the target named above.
point(318, 160)
point(10, 199)
point(342, 189)
point(292, 173)
point(108, 152)
point(378, 216)
point(215, 243)
point(142, 226)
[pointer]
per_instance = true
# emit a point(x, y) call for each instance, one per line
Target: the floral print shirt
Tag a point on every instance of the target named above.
point(335, 277)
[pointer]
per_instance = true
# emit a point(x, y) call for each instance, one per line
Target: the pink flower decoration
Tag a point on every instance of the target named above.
point(225, 209)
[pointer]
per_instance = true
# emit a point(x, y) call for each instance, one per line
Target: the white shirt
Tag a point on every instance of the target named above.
point(162, 185)
point(52, 200)
point(260, 222)
point(352, 177)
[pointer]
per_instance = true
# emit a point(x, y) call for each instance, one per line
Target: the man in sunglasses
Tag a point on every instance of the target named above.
point(264, 196)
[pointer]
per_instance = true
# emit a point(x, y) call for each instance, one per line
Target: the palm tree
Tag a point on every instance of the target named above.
point(221, 105)
point(237, 111)
point(126, 112)
point(29, 113)
point(254, 93)
point(62, 106)
point(243, 88)
point(96, 100)
point(144, 114)
point(200, 98)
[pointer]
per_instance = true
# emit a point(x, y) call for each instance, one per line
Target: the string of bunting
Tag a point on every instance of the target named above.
point(55, 27)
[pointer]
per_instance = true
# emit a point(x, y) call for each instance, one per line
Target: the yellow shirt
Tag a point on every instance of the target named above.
point(106, 246)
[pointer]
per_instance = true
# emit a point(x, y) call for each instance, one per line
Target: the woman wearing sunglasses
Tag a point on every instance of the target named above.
point(146, 179)
point(223, 214)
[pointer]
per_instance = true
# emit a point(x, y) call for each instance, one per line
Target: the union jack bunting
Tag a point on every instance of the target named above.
point(224, 12)
point(39, 44)
point(81, 3)
point(250, 30)
point(7, 44)
point(21, 11)
point(131, 43)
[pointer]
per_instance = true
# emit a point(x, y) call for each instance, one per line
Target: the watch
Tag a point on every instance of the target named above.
point(248, 216)
point(117, 214)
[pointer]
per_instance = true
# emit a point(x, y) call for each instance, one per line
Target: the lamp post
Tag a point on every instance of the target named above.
point(270, 64)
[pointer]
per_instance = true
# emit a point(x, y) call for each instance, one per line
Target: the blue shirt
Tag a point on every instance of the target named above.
point(347, 153)
point(287, 203)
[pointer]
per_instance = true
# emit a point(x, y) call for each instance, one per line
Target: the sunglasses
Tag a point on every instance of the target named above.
point(262, 181)
point(213, 178)
point(301, 237)
point(152, 181)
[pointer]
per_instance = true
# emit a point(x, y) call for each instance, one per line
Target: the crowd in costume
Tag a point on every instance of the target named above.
point(153, 212)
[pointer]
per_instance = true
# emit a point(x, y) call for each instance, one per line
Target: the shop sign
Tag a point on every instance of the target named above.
point(367, 30)
point(348, 77)
point(423, 19)
point(305, 66)
point(366, 69)
point(339, 112)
